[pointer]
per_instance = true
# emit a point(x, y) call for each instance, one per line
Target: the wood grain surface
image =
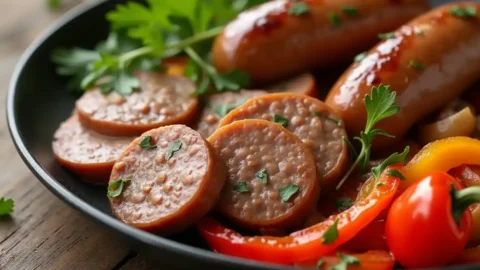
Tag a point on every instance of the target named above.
point(43, 232)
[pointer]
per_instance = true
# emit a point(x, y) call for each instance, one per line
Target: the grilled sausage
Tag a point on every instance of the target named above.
point(270, 43)
point(428, 62)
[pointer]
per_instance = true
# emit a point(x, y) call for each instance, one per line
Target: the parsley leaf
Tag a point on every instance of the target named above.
point(343, 203)
point(145, 143)
point(359, 57)
point(416, 65)
point(345, 261)
point(335, 19)
point(331, 234)
point(380, 185)
point(6, 206)
point(388, 35)
point(263, 175)
point(395, 158)
point(463, 12)
point(223, 109)
point(397, 174)
point(380, 104)
point(173, 148)
point(286, 192)
point(242, 187)
point(280, 120)
point(116, 188)
point(54, 4)
point(299, 9)
point(350, 10)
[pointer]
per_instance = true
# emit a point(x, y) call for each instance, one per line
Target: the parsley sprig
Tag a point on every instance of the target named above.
point(6, 206)
point(380, 104)
point(143, 35)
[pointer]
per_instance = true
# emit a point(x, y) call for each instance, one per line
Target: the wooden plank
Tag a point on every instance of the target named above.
point(43, 232)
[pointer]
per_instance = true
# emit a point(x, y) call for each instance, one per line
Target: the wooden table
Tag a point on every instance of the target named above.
point(43, 232)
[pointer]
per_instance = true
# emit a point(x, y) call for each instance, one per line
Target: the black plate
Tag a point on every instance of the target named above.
point(37, 103)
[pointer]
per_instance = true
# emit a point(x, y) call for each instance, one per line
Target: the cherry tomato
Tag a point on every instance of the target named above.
point(427, 225)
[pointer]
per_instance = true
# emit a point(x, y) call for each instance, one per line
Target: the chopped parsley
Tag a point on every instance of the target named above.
point(242, 187)
point(463, 12)
point(116, 188)
point(380, 185)
point(394, 158)
point(223, 109)
point(345, 261)
point(145, 143)
point(359, 57)
point(299, 9)
point(335, 19)
point(388, 35)
point(173, 148)
point(331, 234)
point(6, 206)
point(416, 65)
point(350, 10)
point(280, 120)
point(397, 174)
point(263, 175)
point(286, 192)
point(343, 203)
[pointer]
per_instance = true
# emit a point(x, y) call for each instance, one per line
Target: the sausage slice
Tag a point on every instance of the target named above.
point(161, 100)
point(271, 175)
point(173, 180)
point(219, 105)
point(86, 152)
point(302, 84)
point(308, 118)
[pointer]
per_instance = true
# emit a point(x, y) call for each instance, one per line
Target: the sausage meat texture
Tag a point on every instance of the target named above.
point(427, 62)
point(160, 100)
point(271, 175)
point(85, 152)
point(317, 125)
point(270, 43)
point(174, 182)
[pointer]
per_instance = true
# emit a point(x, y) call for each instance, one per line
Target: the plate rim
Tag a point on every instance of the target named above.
point(70, 198)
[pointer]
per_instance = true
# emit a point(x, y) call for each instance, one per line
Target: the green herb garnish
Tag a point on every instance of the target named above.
point(242, 187)
point(416, 65)
point(299, 9)
point(141, 35)
point(463, 12)
point(388, 35)
point(116, 188)
point(173, 148)
point(280, 120)
point(380, 185)
point(6, 206)
point(380, 104)
point(145, 143)
point(394, 158)
point(345, 261)
point(335, 19)
point(331, 234)
point(263, 175)
point(396, 173)
point(223, 109)
point(359, 57)
point(350, 10)
point(286, 192)
point(343, 203)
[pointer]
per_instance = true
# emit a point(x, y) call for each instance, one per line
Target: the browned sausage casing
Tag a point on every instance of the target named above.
point(445, 52)
point(269, 43)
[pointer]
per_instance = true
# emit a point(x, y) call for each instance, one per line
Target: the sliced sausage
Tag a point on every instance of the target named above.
point(302, 84)
point(172, 183)
point(219, 105)
point(428, 62)
point(270, 43)
point(161, 100)
point(271, 175)
point(86, 152)
point(311, 120)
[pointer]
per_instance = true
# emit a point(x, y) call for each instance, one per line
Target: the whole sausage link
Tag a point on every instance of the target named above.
point(270, 43)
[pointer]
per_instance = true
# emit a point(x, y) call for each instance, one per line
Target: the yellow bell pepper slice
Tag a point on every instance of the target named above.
point(441, 155)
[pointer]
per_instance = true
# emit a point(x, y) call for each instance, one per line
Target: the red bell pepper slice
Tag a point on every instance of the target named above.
point(305, 244)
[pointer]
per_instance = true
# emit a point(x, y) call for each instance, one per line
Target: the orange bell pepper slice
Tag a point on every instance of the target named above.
point(306, 244)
